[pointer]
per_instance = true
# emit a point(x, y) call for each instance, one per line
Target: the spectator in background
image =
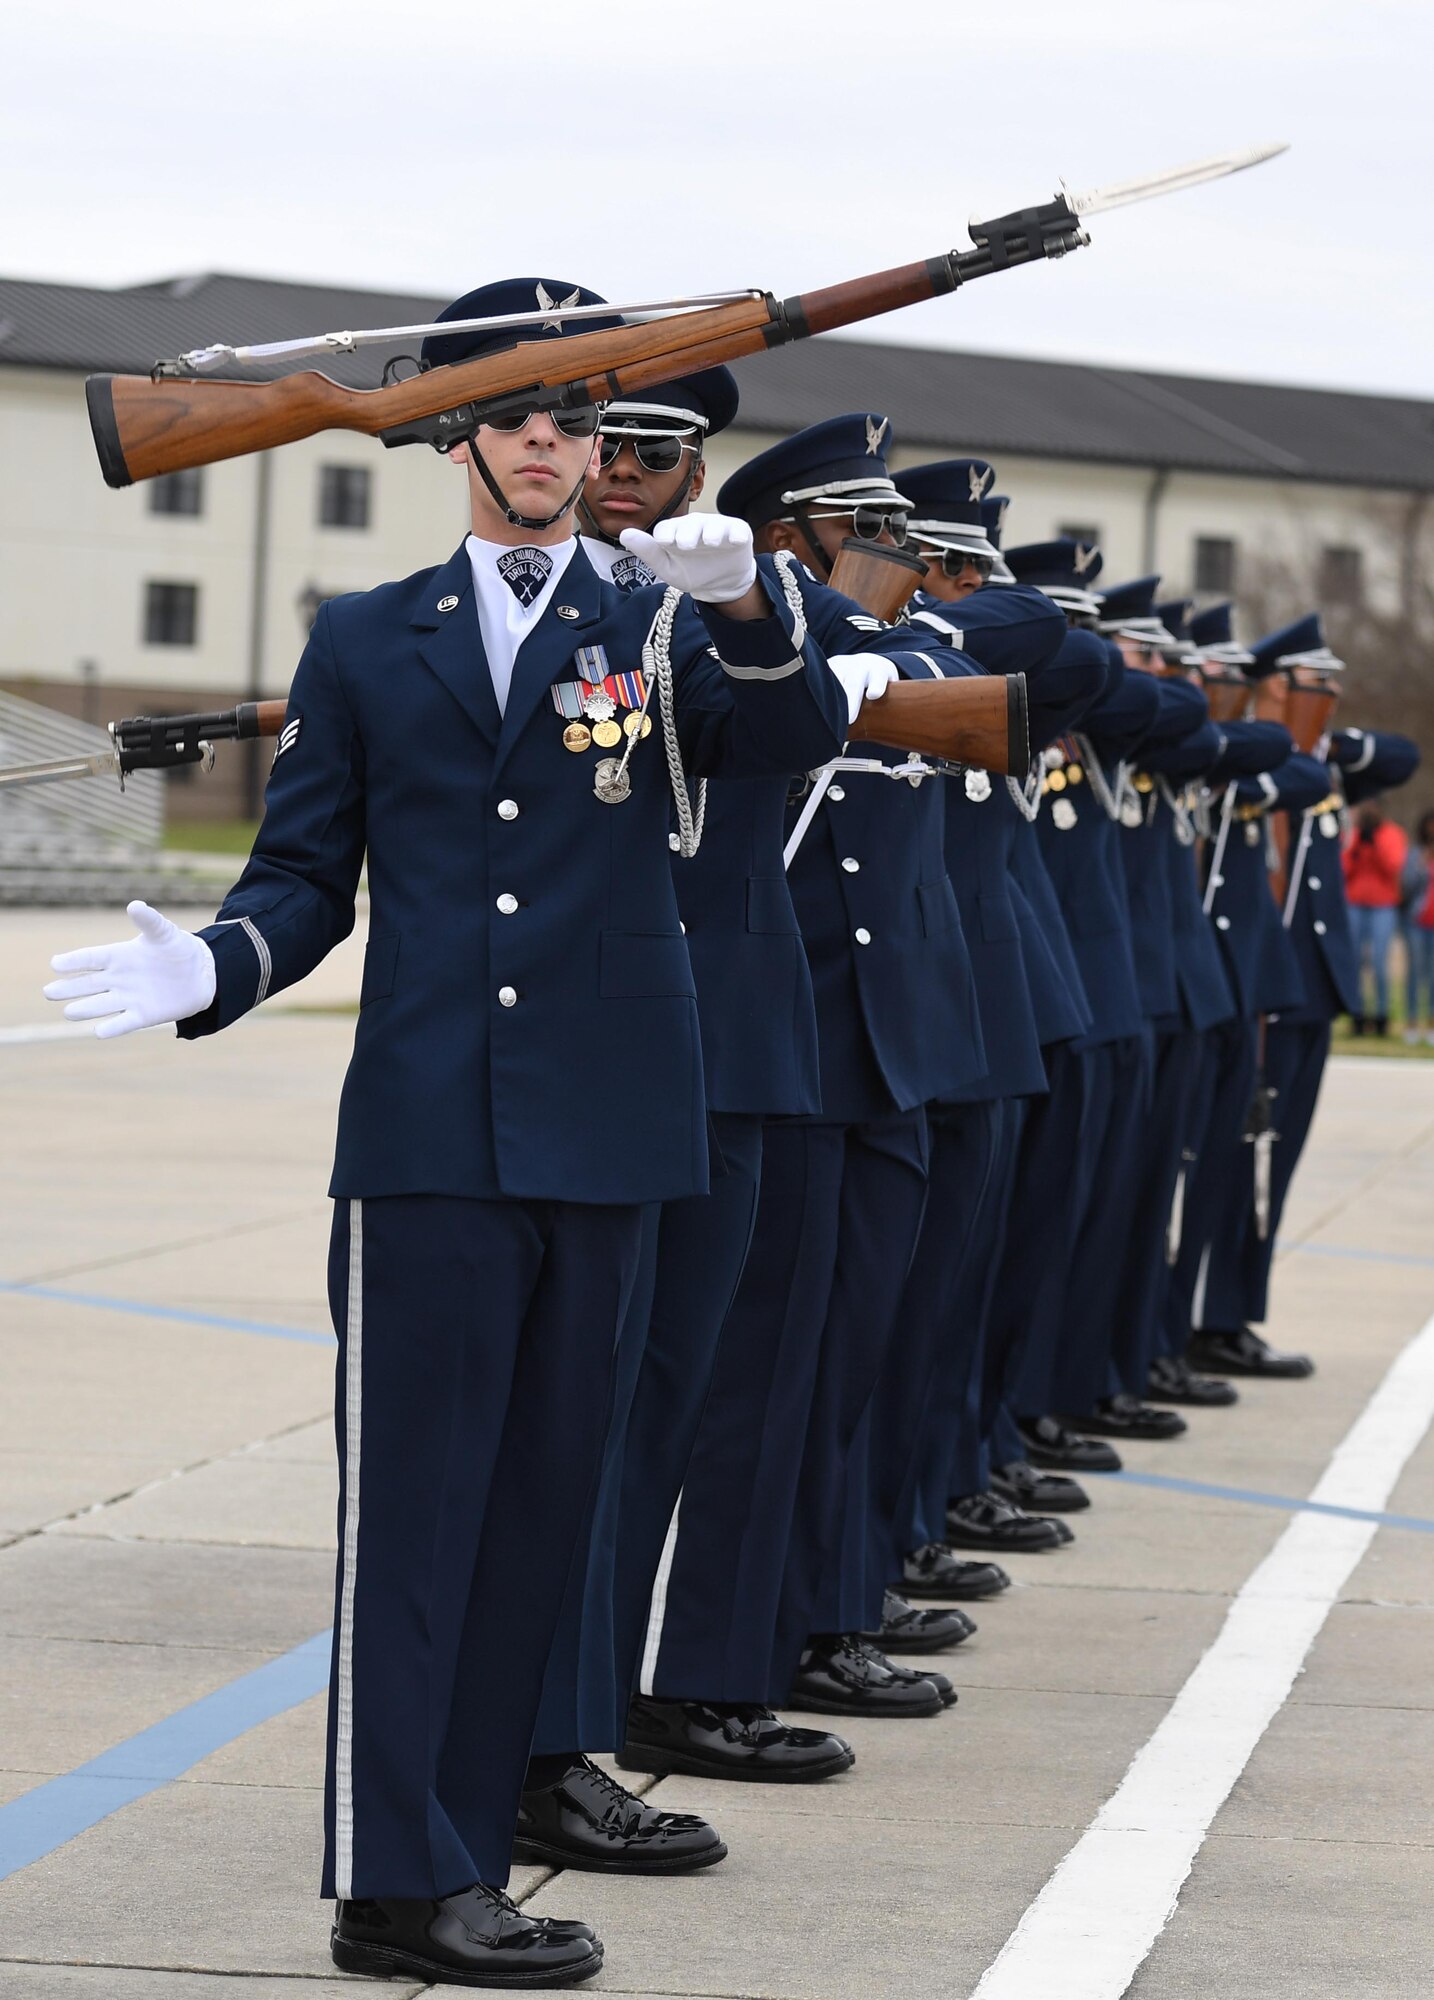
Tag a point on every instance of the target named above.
point(1373, 859)
point(1416, 925)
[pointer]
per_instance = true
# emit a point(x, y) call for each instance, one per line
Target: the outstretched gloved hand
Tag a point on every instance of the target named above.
point(707, 555)
point(865, 677)
point(164, 974)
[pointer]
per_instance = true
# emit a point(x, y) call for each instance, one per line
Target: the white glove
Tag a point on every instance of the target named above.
point(707, 555)
point(865, 676)
point(164, 974)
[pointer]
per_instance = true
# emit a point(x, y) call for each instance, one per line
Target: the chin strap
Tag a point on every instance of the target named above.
point(510, 513)
point(809, 535)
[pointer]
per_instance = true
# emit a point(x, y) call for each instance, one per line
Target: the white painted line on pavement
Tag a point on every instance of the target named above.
point(1089, 1931)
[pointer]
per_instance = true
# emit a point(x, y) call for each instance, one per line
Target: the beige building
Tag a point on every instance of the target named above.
point(198, 589)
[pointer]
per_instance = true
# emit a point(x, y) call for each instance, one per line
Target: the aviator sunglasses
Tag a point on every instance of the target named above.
point(868, 524)
point(954, 561)
point(579, 423)
point(653, 454)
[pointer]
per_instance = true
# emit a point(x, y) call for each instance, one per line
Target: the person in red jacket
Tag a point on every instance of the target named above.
point(1373, 858)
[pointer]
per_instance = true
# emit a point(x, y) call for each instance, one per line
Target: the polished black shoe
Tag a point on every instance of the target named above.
point(1049, 1444)
point(932, 1571)
point(476, 1938)
point(1245, 1353)
point(906, 1629)
point(1172, 1380)
point(588, 1820)
point(1125, 1416)
point(985, 1521)
point(837, 1676)
point(1026, 1486)
point(873, 1652)
point(741, 1740)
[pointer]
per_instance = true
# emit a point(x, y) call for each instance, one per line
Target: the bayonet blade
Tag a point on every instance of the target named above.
point(1172, 180)
point(103, 764)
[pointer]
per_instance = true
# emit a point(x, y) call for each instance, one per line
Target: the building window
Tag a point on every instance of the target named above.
point(1081, 532)
point(171, 614)
point(178, 493)
point(1341, 576)
point(1215, 564)
point(343, 496)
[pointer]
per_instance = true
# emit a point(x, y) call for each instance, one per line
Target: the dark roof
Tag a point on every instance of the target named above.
point(987, 402)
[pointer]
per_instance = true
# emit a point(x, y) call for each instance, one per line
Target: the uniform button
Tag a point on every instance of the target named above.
point(851, 864)
point(507, 809)
point(683, 928)
point(507, 996)
point(1222, 923)
point(507, 904)
point(1320, 927)
point(863, 936)
point(835, 792)
point(674, 841)
point(1217, 881)
point(1314, 881)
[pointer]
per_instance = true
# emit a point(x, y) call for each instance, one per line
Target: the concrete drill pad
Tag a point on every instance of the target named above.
point(107, 1982)
point(812, 1908)
point(1363, 1772)
point(44, 1485)
point(63, 1701)
point(242, 1500)
point(1371, 1656)
point(148, 1593)
point(287, 1750)
point(1095, 1641)
point(1318, 1920)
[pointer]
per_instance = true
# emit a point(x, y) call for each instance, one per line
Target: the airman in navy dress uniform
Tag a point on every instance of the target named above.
point(464, 729)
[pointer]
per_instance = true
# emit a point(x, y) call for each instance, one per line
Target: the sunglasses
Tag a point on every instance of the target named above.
point(579, 423)
point(955, 561)
point(653, 454)
point(868, 524)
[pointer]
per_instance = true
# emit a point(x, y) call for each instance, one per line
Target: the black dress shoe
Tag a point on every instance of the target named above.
point(1025, 1485)
point(476, 1938)
point(1174, 1381)
point(932, 1571)
point(1244, 1353)
point(985, 1521)
point(905, 1629)
point(588, 1820)
point(740, 1740)
point(1125, 1416)
point(873, 1652)
point(1050, 1444)
point(836, 1676)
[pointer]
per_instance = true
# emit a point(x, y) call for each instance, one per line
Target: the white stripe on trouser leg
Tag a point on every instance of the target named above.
point(657, 1610)
point(353, 1430)
point(1197, 1297)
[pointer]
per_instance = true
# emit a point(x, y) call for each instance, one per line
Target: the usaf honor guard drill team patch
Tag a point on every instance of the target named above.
point(631, 573)
point(525, 571)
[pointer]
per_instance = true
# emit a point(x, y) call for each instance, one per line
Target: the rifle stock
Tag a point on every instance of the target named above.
point(879, 577)
point(981, 720)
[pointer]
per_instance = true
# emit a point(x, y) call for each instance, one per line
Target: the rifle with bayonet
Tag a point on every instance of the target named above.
point(158, 743)
point(180, 415)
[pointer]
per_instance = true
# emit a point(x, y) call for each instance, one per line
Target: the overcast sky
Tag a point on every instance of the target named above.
point(647, 147)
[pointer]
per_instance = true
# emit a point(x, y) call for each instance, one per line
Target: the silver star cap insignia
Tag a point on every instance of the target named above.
point(555, 308)
point(875, 432)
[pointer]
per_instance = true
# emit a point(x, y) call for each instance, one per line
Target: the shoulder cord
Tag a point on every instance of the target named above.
point(1110, 797)
point(1026, 793)
point(1179, 812)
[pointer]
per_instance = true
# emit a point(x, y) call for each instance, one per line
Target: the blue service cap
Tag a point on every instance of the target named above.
point(946, 499)
point(1299, 645)
point(1212, 634)
point(706, 401)
point(1127, 611)
point(829, 468)
point(1174, 615)
point(550, 296)
point(1064, 569)
point(993, 517)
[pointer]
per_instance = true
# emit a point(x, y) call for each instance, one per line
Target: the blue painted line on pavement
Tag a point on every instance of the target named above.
point(146, 1309)
point(1415, 1521)
point(38, 1822)
point(1361, 1256)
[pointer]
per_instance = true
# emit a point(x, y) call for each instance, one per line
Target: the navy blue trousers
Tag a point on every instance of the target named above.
point(935, 1352)
point(969, 1460)
point(692, 1256)
point(475, 1361)
point(1081, 1370)
point(1217, 1192)
point(1295, 1056)
point(763, 1481)
point(1161, 1146)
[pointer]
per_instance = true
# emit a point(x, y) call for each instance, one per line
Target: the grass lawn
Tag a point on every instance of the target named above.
point(210, 836)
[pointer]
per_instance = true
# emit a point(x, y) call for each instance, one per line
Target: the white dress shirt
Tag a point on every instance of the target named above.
point(503, 619)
